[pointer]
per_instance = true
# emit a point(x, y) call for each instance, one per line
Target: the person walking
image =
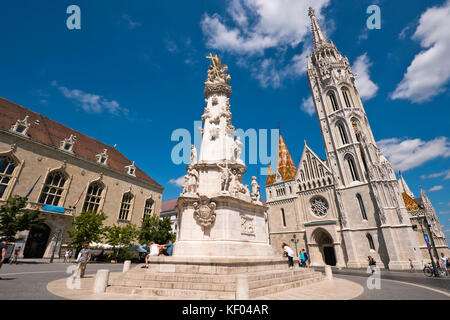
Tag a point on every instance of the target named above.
point(83, 259)
point(15, 256)
point(301, 261)
point(2, 252)
point(372, 264)
point(306, 258)
point(444, 261)
point(411, 266)
point(66, 257)
point(290, 254)
point(70, 254)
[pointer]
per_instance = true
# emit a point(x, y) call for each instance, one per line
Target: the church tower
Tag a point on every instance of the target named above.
point(367, 192)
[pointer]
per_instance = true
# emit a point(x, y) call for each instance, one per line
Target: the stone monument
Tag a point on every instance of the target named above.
point(217, 216)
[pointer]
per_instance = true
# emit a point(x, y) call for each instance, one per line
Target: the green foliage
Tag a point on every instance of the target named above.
point(120, 235)
point(15, 218)
point(155, 229)
point(87, 228)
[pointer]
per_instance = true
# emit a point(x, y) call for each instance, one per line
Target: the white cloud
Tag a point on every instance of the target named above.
point(429, 71)
point(436, 188)
point(308, 106)
point(366, 88)
point(410, 153)
point(92, 103)
point(445, 173)
point(131, 23)
point(178, 182)
point(254, 26)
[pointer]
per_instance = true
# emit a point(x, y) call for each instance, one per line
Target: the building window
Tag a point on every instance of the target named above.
point(361, 206)
point(333, 101)
point(125, 206)
point(7, 166)
point(319, 206)
point(67, 144)
point(283, 218)
point(371, 244)
point(53, 188)
point(102, 158)
point(352, 168)
point(342, 132)
point(93, 197)
point(131, 169)
point(21, 126)
point(356, 129)
point(347, 98)
point(148, 207)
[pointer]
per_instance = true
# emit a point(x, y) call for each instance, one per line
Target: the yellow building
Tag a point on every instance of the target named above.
point(71, 173)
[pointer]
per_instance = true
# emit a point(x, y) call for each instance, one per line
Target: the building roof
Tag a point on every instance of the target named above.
point(285, 164)
point(270, 176)
point(169, 205)
point(51, 133)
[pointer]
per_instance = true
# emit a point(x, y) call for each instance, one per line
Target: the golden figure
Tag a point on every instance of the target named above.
point(216, 63)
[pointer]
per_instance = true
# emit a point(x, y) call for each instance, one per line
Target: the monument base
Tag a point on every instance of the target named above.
point(212, 278)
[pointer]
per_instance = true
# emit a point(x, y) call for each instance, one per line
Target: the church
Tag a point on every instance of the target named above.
point(351, 205)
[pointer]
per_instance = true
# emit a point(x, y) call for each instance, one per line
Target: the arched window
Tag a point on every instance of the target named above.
point(370, 240)
point(93, 197)
point(347, 97)
point(352, 168)
point(355, 126)
point(361, 206)
point(342, 132)
point(53, 188)
point(7, 166)
point(283, 217)
point(333, 101)
point(148, 207)
point(125, 206)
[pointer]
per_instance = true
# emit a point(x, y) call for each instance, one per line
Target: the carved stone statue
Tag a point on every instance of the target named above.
point(225, 177)
point(193, 155)
point(255, 190)
point(237, 149)
point(191, 182)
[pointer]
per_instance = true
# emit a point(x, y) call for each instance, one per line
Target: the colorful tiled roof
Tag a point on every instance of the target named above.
point(51, 133)
point(410, 204)
point(270, 176)
point(285, 164)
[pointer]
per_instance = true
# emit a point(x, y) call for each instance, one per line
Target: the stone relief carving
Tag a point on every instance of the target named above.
point(204, 213)
point(247, 226)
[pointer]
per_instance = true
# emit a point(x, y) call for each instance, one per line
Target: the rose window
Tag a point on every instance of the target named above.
point(319, 206)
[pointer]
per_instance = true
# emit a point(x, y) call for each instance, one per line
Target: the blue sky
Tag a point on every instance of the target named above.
point(135, 71)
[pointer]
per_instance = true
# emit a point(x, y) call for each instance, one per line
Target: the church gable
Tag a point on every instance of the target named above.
point(312, 171)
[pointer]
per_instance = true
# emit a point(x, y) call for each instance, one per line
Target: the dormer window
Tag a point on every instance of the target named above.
point(21, 126)
point(131, 169)
point(67, 144)
point(102, 158)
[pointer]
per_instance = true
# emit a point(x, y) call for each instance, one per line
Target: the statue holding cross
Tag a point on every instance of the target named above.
point(217, 71)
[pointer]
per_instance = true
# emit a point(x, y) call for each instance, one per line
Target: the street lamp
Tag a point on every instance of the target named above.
point(55, 245)
point(295, 241)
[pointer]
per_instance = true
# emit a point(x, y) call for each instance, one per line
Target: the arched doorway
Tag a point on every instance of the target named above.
point(37, 241)
point(326, 246)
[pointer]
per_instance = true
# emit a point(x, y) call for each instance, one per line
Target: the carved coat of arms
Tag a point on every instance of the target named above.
point(204, 213)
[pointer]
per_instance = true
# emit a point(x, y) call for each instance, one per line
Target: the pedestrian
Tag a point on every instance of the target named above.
point(290, 254)
point(168, 248)
point(2, 252)
point(15, 256)
point(83, 259)
point(411, 265)
point(70, 254)
point(444, 261)
point(372, 264)
point(306, 258)
point(66, 257)
point(154, 251)
point(301, 261)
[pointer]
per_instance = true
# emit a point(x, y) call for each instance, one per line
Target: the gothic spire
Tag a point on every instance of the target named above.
point(403, 186)
point(285, 164)
point(319, 36)
point(270, 175)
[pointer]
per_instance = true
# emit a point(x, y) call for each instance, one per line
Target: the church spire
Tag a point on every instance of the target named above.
point(319, 36)
point(285, 165)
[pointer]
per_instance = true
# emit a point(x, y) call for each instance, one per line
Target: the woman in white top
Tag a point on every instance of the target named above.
point(154, 251)
point(290, 254)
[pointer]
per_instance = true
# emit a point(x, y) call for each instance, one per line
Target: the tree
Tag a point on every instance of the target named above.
point(120, 235)
point(87, 228)
point(15, 218)
point(155, 229)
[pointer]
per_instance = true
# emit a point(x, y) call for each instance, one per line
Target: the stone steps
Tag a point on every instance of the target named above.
point(208, 286)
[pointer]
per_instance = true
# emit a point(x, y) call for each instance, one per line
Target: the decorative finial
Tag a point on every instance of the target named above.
point(304, 141)
point(311, 12)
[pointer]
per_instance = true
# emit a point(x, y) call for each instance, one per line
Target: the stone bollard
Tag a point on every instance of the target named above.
point(126, 265)
point(101, 281)
point(242, 287)
point(328, 272)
